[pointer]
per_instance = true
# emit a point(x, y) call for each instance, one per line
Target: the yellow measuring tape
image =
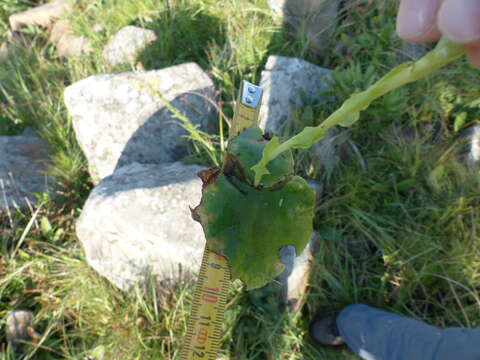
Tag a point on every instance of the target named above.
point(204, 328)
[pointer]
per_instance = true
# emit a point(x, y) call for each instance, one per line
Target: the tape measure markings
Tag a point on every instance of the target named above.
point(206, 319)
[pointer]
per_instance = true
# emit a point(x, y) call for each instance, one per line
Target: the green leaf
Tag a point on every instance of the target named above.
point(268, 152)
point(45, 226)
point(247, 149)
point(435, 177)
point(459, 121)
point(307, 116)
point(250, 226)
point(249, 223)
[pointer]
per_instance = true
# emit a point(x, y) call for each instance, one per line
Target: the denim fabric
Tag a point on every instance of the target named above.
point(375, 334)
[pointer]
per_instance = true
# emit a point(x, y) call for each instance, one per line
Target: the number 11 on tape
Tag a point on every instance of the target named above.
point(204, 331)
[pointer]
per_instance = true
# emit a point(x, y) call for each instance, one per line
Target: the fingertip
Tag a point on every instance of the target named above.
point(458, 20)
point(416, 20)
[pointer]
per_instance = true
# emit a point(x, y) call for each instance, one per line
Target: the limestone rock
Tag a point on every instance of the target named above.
point(22, 169)
point(121, 118)
point(42, 15)
point(66, 42)
point(284, 80)
point(313, 21)
point(17, 324)
point(412, 51)
point(4, 51)
point(124, 46)
point(58, 30)
point(329, 151)
point(470, 138)
point(294, 280)
point(73, 45)
point(136, 224)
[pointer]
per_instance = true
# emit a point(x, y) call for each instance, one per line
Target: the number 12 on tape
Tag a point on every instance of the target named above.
point(204, 331)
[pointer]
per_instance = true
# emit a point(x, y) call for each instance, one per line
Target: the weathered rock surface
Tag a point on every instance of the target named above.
point(284, 80)
point(66, 42)
point(121, 118)
point(470, 138)
point(136, 224)
point(313, 21)
point(293, 281)
point(327, 152)
point(412, 51)
point(124, 46)
point(42, 15)
point(23, 163)
point(4, 51)
point(17, 324)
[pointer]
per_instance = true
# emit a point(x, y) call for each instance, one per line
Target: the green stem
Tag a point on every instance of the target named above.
point(444, 53)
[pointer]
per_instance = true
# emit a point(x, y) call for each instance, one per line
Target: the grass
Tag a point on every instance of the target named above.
point(399, 216)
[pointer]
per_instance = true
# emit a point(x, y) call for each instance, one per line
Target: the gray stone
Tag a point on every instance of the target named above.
point(43, 15)
point(66, 42)
point(470, 144)
point(412, 51)
point(327, 153)
point(136, 224)
point(291, 285)
point(310, 21)
point(121, 118)
point(316, 186)
point(73, 45)
point(98, 28)
point(284, 80)
point(124, 46)
point(294, 280)
point(58, 31)
point(17, 324)
point(22, 169)
point(4, 51)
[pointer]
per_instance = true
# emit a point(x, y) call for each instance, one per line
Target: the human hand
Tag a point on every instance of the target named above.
point(428, 20)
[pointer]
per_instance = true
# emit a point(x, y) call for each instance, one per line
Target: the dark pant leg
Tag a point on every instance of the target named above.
point(375, 334)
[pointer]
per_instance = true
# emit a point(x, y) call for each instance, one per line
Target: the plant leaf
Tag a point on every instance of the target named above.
point(250, 226)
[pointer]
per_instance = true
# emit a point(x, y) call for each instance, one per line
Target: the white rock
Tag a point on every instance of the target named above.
point(124, 46)
point(17, 323)
point(66, 42)
point(121, 118)
point(137, 224)
point(43, 15)
point(4, 51)
point(470, 138)
point(294, 280)
point(73, 45)
point(283, 80)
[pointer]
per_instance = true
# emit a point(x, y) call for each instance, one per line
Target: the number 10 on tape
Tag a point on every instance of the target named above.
point(204, 331)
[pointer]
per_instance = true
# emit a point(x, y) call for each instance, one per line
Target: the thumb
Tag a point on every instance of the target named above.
point(417, 20)
point(459, 20)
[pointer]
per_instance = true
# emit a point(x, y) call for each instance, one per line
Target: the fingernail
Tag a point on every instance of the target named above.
point(459, 20)
point(416, 19)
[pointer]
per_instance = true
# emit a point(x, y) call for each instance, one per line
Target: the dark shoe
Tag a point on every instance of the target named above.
point(324, 331)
